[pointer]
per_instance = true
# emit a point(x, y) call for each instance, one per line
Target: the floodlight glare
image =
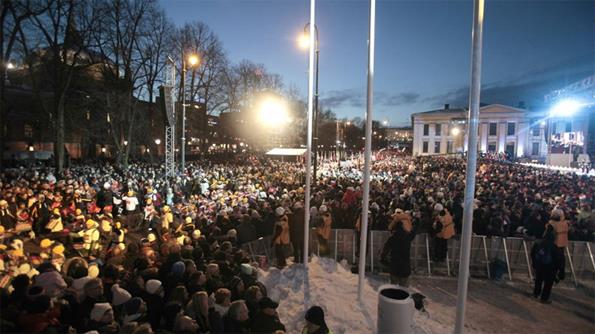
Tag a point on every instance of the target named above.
point(565, 108)
point(273, 111)
point(455, 131)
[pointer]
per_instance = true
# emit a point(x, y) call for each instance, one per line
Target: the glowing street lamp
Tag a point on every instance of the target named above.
point(10, 66)
point(193, 60)
point(455, 131)
point(157, 141)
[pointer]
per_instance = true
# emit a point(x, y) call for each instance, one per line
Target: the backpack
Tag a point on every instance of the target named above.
point(543, 256)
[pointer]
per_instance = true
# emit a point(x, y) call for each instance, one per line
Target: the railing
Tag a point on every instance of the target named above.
point(514, 252)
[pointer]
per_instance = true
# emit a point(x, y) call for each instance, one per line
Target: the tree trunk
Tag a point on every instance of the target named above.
point(2, 126)
point(59, 143)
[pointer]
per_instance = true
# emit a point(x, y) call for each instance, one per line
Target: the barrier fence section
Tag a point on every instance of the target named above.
point(493, 257)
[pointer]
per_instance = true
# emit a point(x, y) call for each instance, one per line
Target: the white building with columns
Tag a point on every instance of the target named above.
point(501, 129)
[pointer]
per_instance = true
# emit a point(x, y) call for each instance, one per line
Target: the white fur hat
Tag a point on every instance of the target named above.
point(280, 211)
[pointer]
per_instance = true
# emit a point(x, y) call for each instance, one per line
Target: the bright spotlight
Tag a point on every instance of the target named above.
point(157, 141)
point(273, 111)
point(565, 108)
point(10, 66)
point(304, 41)
point(193, 60)
point(455, 131)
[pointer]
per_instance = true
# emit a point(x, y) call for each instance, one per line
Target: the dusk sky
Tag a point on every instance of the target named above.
point(422, 48)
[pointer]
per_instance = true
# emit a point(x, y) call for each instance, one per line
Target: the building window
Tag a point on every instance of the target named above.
point(436, 147)
point(424, 148)
point(510, 129)
point(535, 149)
point(28, 131)
point(492, 147)
point(568, 126)
point(438, 130)
point(426, 129)
point(493, 129)
point(449, 146)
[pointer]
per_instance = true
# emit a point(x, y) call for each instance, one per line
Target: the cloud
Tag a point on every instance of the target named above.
point(530, 86)
point(337, 98)
point(355, 98)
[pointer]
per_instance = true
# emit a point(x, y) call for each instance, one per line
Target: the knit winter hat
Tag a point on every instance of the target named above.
point(133, 306)
point(178, 268)
point(280, 211)
point(120, 296)
point(315, 315)
point(99, 310)
point(153, 285)
point(246, 269)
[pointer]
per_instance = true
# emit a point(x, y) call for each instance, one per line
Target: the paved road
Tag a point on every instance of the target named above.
point(508, 307)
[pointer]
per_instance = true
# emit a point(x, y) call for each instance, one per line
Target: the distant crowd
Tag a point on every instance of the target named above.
point(106, 249)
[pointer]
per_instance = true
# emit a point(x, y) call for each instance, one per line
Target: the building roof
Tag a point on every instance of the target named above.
point(451, 111)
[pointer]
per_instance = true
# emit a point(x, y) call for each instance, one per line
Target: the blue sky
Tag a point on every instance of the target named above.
point(422, 48)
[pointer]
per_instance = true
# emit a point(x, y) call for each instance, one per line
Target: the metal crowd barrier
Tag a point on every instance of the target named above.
point(514, 252)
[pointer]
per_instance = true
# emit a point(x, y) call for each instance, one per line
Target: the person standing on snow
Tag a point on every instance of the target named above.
point(547, 264)
point(281, 237)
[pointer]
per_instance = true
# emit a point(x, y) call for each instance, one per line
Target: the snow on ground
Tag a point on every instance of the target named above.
point(334, 288)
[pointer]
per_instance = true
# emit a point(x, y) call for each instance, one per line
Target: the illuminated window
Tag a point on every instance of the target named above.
point(28, 131)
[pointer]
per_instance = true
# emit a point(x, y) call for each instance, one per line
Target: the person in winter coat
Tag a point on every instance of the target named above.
point(236, 319)
point(547, 263)
point(323, 232)
point(267, 319)
point(560, 227)
point(445, 229)
point(207, 319)
point(296, 231)
point(281, 237)
point(396, 254)
point(315, 323)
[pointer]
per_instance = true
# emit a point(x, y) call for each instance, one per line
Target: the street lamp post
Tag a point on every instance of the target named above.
point(317, 53)
point(193, 60)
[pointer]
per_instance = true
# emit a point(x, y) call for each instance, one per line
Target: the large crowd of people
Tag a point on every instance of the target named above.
point(100, 248)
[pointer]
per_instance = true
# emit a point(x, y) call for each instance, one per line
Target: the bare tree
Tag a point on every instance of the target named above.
point(12, 16)
point(120, 39)
point(55, 42)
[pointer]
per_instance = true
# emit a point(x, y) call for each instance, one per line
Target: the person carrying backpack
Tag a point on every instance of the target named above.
point(547, 264)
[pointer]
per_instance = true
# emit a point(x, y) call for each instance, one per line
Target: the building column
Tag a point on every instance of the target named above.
point(501, 137)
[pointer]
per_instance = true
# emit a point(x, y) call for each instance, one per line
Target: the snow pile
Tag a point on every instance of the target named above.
point(334, 288)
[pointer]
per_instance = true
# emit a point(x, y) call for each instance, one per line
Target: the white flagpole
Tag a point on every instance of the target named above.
point(368, 154)
point(309, 143)
point(474, 96)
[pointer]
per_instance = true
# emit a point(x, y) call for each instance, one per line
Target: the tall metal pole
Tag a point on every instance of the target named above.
point(474, 95)
point(183, 147)
point(315, 151)
point(368, 153)
point(309, 141)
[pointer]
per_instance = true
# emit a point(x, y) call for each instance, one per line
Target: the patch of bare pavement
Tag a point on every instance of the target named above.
point(509, 307)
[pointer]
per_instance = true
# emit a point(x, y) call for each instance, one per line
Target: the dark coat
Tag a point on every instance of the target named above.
point(264, 323)
point(232, 326)
point(398, 247)
point(246, 232)
point(296, 227)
